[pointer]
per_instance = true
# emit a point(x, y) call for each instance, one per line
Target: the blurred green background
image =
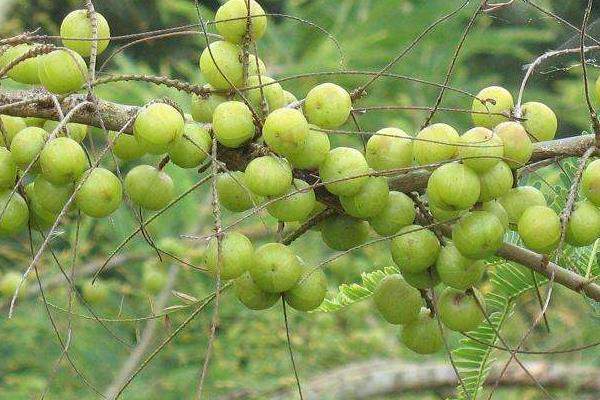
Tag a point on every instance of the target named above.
point(250, 353)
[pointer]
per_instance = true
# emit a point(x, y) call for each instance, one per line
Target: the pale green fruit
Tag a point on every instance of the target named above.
point(498, 210)
point(453, 186)
point(149, 187)
point(268, 176)
point(495, 182)
point(272, 92)
point(78, 24)
point(495, 99)
point(12, 126)
point(232, 23)
point(155, 149)
point(253, 297)
point(460, 311)
point(539, 228)
point(423, 279)
point(25, 71)
point(100, 194)
point(95, 293)
point(62, 71)
point(478, 234)
point(458, 271)
point(370, 200)
point(158, 124)
point(296, 207)
point(344, 171)
point(480, 149)
point(389, 148)
point(8, 169)
point(397, 213)
point(327, 106)
point(62, 161)
point(423, 335)
point(540, 121)
point(27, 145)
point(33, 121)
point(154, 278)
point(233, 192)
point(276, 268)
point(75, 131)
point(9, 284)
point(590, 182)
point(40, 218)
point(237, 256)
point(415, 248)
point(203, 107)
point(253, 68)
point(233, 124)
point(396, 300)
point(310, 290)
point(50, 196)
point(222, 65)
point(343, 233)
point(518, 199)
point(285, 131)
point(127, 147)
point(313, 153)
point(192, 148)
point(289, 98)
point(584, 224)
point(442, 215)
point(16, 214)
point(435, 143)
point(517, 145)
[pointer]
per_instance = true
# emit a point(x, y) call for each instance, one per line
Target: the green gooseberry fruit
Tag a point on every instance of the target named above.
point(25, 71)
point(344, 171)
point(192, 148)
point(276, 268)
point(435, 143)
point(252, 296)
point(488, 103)
point(237, 255)
point(232, 23)
point(255, 64)
point(296, 207)
point(62, 161)
point(62, 71)
point(398, 212)
point(415, 248)
point(203, 107)
point(343, 233)
point(517, 145)
point(221, 65)
point(423, 335)
point(441, 215)
point(478, 234)
point(33, 121)
point(78, 25)
point(233, 124)
point(518, 199)
point(498, 210)
point(285, 131)
point(8, 169)
point(318, 208)
point(50, 196)
point(540, 121)
point(160, 124)
point(389, 148)
point(154, 149)
point(149, 187)
point(268, 176)
point(40, 218)
point(270, 91)
point(12, 126)
point(539, 228)
point(495, 182)
point(234, 193)
point(154, 278)
point(590, 182)
point(310, 290)
point(95, 293)
point(313, 153)
point(458, 271)
point(584, 224)
point(16, 213)
point(396, 300)
point(370, 200)
point(26, 146)
point(461, 311)
point(427, 279)
point(289, 98)
point(100, 193)
point(9, 284)
point(75, 131)
point(327, 106)
point(453, 186)
point(126, 147)
point(480, 149)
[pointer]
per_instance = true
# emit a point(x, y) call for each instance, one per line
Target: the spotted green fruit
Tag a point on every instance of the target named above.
point(518, 199)
point(62, 71)
point(203, 106)
point(149, 187)
point(415, 248)
point(192, 147)
point(327, 106)
point(584, 224)
point(268, 90)
point(423, 335)
point(285, 131)
point(389, 148)
point(12, 126)
point(75, 131)
point(78, 24)
point(62, 161)
point(159, 124)
point(237, 256)
point(453, 186)
point(234, 194)
point(478, 234)
point(268, 176)
point(126, 147)
point(343, 233)
point(458, 271)
point(16, 214)
point(276, 268)
point(233, 124)
point(590, 182)
point(313, 153)
point(396, 300)
point(344, 171)
point(495, 182)
point(100, 194)
point(517, 145)
point(435, 143)
point(540, 121)
point(310, 290)
point(422, 280)
point(52, 197)
point(480, 149)
point(298, 204)
point(252, 296)
point(8, 169)
point(25, 71)
point(26, 147)
point(370, 200)
point(539, 228)
point(221, 65)
point(232, 23)
point(488, 103)
point(461, 311)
